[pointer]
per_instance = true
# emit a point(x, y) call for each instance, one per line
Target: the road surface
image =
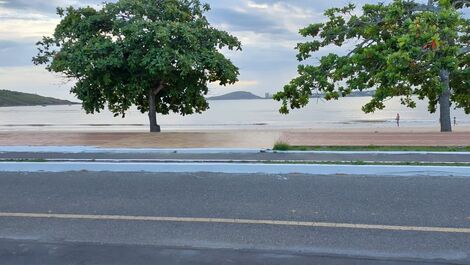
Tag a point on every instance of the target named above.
point(202, 218)
point(242, 156)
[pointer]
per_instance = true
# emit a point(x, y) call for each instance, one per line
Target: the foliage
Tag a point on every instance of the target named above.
point(400, 49)
point(281, 146)
point(126, 52)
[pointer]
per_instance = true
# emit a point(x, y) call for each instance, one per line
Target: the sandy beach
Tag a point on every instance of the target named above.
point(241, 139)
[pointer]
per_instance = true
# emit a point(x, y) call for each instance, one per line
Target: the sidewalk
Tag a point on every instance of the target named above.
point(230, 139)
point(118, 155)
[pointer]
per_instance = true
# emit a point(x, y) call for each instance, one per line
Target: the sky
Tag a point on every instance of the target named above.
point(268, 30)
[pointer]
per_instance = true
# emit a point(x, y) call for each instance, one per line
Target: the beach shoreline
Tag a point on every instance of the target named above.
point(417, 136)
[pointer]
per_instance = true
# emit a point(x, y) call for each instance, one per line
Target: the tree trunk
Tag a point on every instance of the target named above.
point(154, 127)
point(444, 102)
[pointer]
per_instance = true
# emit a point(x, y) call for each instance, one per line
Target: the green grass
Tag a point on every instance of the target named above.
point(364, 163)
point(281, 146)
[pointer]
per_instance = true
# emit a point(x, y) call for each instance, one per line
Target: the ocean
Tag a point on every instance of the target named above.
point(227, 115)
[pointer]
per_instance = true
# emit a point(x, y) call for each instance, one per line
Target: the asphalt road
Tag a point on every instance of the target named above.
point(111, 218)
point(266, 156)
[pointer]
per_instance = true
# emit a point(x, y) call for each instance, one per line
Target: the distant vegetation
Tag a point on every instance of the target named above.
point(13, 98)
point(367, 93)
point(238, 95)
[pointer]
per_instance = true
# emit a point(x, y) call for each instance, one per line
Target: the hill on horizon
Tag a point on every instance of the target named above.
point(10, 98)
point(237, 95)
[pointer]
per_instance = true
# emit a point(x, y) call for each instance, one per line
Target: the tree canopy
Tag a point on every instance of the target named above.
point(400, 49)
point(159, 55)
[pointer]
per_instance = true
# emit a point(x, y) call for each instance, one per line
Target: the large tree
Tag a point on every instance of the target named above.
point(159, 55)
point(401, 49)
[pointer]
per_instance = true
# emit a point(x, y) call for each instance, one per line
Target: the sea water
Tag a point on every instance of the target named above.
point(227, 115)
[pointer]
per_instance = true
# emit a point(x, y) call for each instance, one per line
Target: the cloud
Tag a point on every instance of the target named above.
point(18, 25)
point(33, 5)
point(268, 30)
point(273, 18)
point(247, 83)
point(19, 29)
point(14, 53)
point(45, 6)
point(285, 15)
point(31, 79)
point(236, 20)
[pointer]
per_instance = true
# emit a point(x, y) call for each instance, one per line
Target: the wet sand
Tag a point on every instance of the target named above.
point(240, 139)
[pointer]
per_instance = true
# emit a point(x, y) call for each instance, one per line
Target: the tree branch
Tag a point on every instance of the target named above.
point(460, 2)
point(361, 45)
point(159, 88)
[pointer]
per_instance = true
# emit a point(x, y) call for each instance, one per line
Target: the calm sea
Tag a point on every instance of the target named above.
point(230, 115)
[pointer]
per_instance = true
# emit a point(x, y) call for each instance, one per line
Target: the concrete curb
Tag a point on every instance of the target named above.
point(233, 168)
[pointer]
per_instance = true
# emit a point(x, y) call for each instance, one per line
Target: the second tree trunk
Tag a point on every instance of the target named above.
point(444, 102)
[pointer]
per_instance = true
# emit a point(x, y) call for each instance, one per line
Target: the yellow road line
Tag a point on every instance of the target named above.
point(236, 221)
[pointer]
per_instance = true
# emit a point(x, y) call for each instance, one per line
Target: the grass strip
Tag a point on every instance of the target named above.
point(280, 146)
point(371, 163)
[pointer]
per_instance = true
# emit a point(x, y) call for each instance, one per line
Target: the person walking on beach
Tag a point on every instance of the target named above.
point(398, 119)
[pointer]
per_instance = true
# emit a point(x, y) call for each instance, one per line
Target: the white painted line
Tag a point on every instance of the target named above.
point(236, 221)
point(235, 168)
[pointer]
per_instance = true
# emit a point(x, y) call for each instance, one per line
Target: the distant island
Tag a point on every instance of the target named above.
point(238, 95)
point(243, 95)
point(14, 99)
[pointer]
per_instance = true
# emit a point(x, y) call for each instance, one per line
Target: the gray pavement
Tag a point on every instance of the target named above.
point(400, 201)
point(240, 156)
point(30, 252)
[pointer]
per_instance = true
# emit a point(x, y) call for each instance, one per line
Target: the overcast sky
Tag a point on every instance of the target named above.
point(268, 30)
